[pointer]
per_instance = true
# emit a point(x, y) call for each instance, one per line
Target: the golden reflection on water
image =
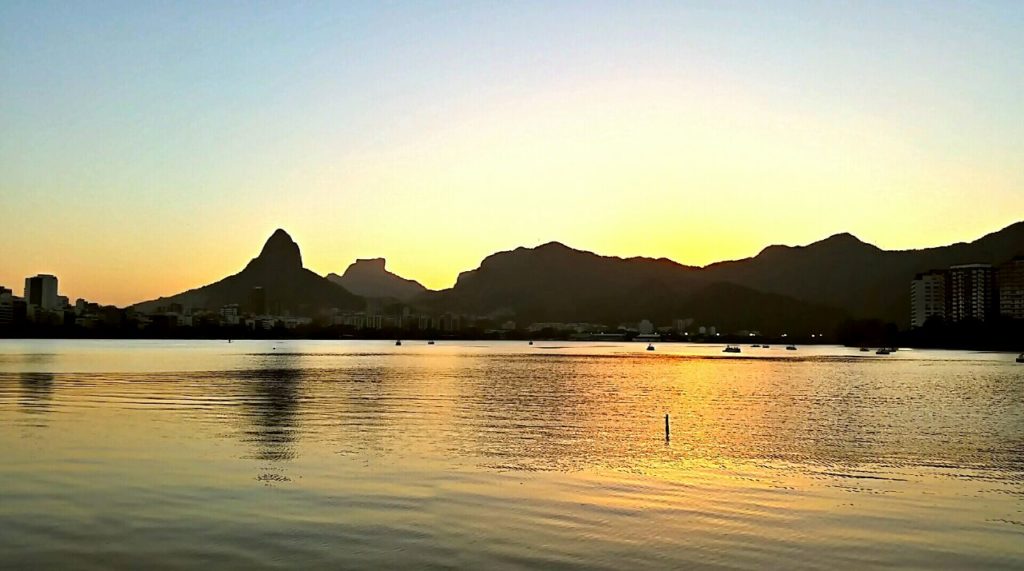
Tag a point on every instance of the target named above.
point(498, 455)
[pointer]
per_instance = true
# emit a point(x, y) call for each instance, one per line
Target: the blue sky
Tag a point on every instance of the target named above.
point(138, 134)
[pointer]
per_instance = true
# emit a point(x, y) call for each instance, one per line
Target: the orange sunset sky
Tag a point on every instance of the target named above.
point(150, 149)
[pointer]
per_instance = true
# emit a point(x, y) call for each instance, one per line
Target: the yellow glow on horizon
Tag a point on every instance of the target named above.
point(696, 172)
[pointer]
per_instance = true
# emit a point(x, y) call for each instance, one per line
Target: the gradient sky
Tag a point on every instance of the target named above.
point(146, 148)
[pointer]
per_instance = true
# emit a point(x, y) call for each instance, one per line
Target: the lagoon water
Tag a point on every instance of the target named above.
point(492, 455)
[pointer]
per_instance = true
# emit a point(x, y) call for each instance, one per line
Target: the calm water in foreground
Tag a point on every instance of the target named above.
point(360, 454)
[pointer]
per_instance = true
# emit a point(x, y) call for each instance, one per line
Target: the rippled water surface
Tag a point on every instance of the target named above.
point(361, 454)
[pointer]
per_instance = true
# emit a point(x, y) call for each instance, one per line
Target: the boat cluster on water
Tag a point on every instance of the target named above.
point(736, 348)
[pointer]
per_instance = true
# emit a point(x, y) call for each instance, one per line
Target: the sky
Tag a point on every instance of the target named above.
point(151, 147)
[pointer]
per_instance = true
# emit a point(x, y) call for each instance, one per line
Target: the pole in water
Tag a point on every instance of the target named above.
point(666, 428)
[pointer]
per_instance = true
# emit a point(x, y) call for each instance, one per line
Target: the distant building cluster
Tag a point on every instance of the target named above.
point(403, 318)
point(257, 313)
point(43, 305)
point(968, 292)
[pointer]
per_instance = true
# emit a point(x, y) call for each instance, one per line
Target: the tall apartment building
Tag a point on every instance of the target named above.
point(1010, 282)
point(41, 291)
point(927, 297)
point(970, 293)
point(6, 306)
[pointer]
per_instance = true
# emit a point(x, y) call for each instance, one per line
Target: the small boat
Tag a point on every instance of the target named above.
point(1020, 358)
point(766, 346)
point(731, 349)
point(650, 347)
point(755, 345)
point(431, 342)
point(790, 347)
point(531, 342)
point(882, 351)
point(864, 349)
point(398, 343)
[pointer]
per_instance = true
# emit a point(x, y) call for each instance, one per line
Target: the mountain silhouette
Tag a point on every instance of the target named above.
point(795, 288)
point(287, 287)
point(863, 280)
point(556, 283)
point(783, 288)
point(370, 278)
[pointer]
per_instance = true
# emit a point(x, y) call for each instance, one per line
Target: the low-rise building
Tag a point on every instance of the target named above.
point(645, 327)
point(229, 314)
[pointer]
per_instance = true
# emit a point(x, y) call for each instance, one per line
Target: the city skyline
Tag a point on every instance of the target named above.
point(231, 266)
point(147, 144)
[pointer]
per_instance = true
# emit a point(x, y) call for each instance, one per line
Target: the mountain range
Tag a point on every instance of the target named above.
point(798, 288)
point(859, 278)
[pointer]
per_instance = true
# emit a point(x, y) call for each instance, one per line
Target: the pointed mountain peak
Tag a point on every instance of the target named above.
point(844, 241)
point(842, 238)
point(552, 246)
point(280, 234)
point(280, 251)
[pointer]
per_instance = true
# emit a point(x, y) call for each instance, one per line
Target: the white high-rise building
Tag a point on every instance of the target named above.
point(41, 291)
point(927, 297)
